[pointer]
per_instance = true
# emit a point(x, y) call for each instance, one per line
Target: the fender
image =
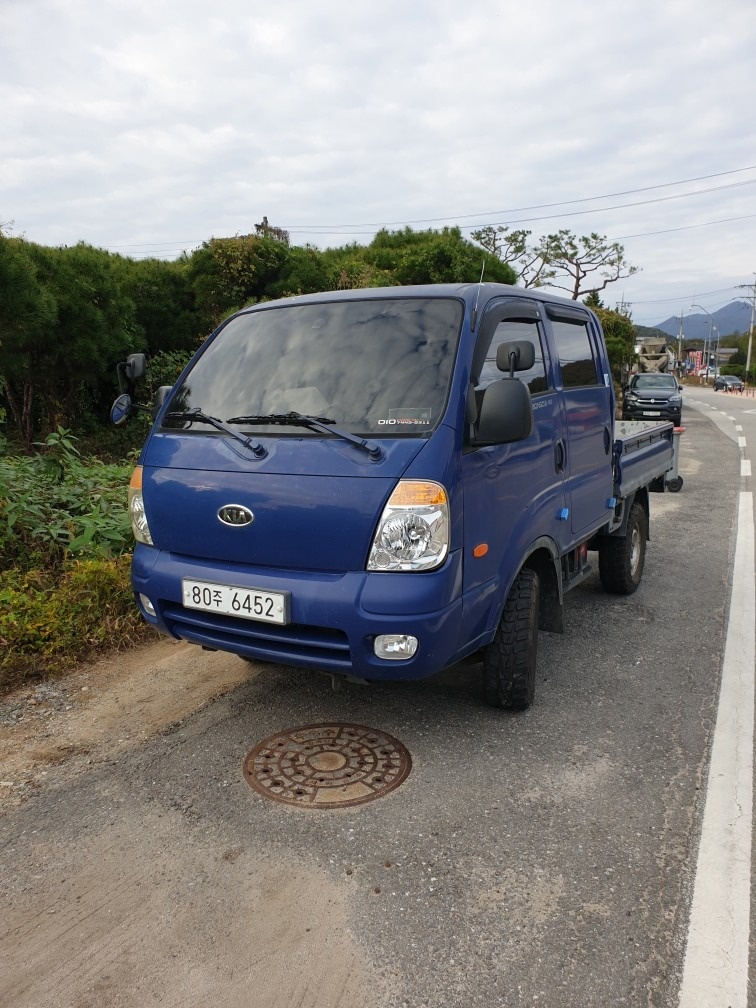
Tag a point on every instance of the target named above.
point(542, 556)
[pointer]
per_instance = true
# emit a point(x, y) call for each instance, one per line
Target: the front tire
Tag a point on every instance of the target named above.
point(622, 558)
point(509, 661)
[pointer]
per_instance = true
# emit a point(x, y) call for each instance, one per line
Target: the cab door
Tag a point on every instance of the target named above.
point(513, 493)
point(588, 408)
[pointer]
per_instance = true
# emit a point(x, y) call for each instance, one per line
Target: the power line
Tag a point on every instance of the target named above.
point(686, 227)
point(178, 245)
point(532, 220)
point(334, 228)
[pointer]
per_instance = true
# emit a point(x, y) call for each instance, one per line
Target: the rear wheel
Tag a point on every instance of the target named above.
point(509, 661)
point(622, 558)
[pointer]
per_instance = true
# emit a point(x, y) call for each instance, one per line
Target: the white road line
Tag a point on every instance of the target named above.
point(741, 442)
point(745, 467)
point(738, 427)
point(715, 974)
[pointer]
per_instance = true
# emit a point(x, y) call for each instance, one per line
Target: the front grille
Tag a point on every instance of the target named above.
point(319, 647)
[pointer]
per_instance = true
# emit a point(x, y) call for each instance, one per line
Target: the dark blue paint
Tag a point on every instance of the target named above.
point(316, 502)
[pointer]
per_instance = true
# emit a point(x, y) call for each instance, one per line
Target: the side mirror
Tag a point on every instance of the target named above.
point(120, 410)
point(505, 415)
point(130, 371)
point(515, 356)
point(136, 365)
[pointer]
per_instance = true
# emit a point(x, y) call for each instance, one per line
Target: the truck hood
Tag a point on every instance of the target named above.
point(315, 501)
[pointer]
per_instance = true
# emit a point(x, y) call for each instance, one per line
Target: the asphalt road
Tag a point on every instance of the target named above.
point(544, 858)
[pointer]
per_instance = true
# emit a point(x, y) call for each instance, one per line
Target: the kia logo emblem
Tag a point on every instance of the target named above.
point(235, 515)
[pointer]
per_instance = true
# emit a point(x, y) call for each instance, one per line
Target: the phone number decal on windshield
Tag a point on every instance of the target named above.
point(420, 415)
point(229, 600)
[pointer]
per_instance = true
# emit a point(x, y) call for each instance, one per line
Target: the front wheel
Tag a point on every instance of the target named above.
point(509, 661)
point(622, 558)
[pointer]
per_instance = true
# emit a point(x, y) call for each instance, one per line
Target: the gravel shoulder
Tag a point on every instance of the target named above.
point(62, 727)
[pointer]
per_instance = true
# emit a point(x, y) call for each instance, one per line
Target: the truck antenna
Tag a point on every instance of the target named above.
point(477, 295)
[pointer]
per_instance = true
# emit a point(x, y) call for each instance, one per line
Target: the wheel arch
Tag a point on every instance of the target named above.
point(641, 496)
point(543, 558)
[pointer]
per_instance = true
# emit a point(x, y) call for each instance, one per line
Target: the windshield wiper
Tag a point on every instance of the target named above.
point(196, 414)
point(323, 424)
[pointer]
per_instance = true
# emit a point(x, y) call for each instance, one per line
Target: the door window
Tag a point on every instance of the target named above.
point(577, 361)
point(507, 332)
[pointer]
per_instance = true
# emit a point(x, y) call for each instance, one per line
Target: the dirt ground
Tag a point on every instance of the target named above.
point(140, 910)
point(61, 727)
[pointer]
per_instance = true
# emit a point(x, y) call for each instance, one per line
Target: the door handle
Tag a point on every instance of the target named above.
point(607, 440)
point(559, 455)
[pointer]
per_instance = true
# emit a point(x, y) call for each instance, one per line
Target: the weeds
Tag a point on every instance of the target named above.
point(55, 506)
point(64, 542)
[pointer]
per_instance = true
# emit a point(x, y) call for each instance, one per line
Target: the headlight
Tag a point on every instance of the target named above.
point(413, 533)
point(631, 397)
point(137, 514)
point(675, 400)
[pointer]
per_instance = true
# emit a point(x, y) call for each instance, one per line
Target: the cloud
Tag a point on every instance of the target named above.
point(136, 125)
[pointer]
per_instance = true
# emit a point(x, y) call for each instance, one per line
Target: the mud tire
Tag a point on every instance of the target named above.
point(622, 558)
point(509, 661)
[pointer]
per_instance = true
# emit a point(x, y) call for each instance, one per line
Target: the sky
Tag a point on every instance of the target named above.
point(146, 127)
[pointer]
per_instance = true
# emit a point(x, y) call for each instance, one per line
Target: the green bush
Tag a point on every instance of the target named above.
point(54, 506)
point(50, 621)
point(65, 539)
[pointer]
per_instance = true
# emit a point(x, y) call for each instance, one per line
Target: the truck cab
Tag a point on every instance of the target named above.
point(358, 481)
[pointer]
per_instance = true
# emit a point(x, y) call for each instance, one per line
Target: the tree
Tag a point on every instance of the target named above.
point(589, 264)
point(27, 315)
point(305, 271)
point(230, 273)
point(164, 316)
point(423, 257)
point(619, 334)
point(583, 265)
point(512, 248)
point(58, 356)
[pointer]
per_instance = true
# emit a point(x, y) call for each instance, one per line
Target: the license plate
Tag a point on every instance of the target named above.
point(651, 412)
point(246, 603)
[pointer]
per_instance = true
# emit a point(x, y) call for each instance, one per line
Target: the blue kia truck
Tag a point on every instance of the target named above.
point(379, 483)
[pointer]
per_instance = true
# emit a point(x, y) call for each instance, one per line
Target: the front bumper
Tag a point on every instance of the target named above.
point(333, 621)
point(652, 411)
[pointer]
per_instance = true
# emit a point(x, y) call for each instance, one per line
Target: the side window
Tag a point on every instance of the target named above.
point(507, 332)
point(577, 361)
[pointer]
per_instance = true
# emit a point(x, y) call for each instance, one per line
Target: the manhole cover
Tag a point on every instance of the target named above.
point(327, 765)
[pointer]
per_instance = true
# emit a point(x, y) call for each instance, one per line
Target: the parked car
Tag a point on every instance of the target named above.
point(728, 382)
point(653, 396)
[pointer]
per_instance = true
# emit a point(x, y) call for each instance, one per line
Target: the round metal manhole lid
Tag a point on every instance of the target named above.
point(327, 765)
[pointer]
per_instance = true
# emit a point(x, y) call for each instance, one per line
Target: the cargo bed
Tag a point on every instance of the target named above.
point(643, 453)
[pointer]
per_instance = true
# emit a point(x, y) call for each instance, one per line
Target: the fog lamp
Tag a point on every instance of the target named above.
point(147, 605)
point(395, 646)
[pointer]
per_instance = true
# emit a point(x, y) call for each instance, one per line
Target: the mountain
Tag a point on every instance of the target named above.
point(732, 320)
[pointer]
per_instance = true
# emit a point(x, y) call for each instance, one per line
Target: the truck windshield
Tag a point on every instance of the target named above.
point(651, 381)
point(371, 366)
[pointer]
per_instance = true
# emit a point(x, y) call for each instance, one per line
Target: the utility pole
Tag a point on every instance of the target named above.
point(750, 331)
point(752, 289)
point(708, 342)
